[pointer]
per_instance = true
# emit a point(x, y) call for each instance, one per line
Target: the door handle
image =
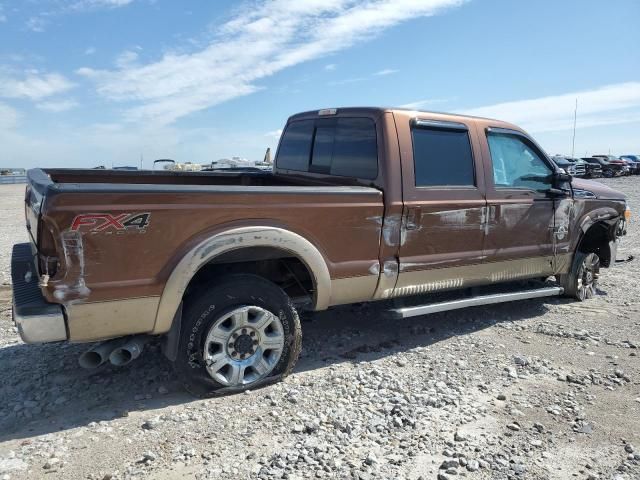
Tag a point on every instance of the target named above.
point(414, 216)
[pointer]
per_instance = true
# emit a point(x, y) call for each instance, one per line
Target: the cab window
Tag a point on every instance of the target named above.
point(516, 164)
point(442, 156)
point(345, 147)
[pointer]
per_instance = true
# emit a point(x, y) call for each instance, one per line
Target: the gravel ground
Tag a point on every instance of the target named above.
point(540, 389)
point(13, 229)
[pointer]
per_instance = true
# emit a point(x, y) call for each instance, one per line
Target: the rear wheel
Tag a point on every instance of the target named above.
point(238, 333)
point(580, 283)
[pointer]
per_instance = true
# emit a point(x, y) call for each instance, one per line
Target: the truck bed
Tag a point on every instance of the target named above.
point(155, 218)
point(165, 177)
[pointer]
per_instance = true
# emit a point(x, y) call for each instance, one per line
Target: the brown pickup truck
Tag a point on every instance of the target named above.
point(364, 204)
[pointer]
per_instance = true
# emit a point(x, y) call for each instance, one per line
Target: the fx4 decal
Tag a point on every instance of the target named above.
point(105, 222)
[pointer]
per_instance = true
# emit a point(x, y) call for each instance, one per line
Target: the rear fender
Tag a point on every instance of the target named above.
point(237, 238)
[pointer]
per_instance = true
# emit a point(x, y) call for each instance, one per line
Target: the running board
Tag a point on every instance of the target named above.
point(475, 301)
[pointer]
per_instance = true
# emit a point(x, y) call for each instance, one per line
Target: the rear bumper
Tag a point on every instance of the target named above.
point(38, 321)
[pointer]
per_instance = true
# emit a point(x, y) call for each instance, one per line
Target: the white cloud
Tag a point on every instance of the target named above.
point(330, 67)
point(607, 105)
point(108, 3)
point(37, 24)
point(90, 50)
point(57, 105)
point(40, 21)
point(260, 41)
point(419, 104)
point(34, 85)
point(8, 117)
point(275, 134)
point(126, 59)
point(386, 71)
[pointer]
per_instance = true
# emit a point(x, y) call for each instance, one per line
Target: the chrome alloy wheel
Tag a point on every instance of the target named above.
point(588, 276)
point(243, 346)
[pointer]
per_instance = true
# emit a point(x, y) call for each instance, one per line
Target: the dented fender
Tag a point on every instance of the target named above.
point(233, 239)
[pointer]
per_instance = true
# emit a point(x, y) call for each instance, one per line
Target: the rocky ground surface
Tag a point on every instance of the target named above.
point(541, 389)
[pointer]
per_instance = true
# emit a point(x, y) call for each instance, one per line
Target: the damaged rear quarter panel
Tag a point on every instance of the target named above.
point(102, 264)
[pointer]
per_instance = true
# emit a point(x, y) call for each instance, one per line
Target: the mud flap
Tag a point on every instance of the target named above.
point(172, 338)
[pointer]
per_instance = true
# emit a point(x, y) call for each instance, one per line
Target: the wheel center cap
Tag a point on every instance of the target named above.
point(243, 344)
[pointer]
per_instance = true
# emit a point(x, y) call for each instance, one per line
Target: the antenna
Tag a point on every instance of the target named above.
point(573, 140)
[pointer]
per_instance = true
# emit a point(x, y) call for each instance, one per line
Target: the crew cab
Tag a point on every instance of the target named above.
point(364, 204)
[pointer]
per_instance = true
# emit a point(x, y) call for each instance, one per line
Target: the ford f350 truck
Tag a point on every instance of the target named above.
point(364, 204)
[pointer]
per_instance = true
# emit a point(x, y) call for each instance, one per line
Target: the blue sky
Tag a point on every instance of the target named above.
point(91, 82)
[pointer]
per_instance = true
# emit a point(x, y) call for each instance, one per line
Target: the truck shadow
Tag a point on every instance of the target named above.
point(48, 392)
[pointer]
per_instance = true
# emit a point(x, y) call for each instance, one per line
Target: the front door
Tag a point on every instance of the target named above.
point(520, 216)
point(444, 205)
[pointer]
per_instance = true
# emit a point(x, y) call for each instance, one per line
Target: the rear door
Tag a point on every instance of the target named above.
point(444, 204)
point(520, 226)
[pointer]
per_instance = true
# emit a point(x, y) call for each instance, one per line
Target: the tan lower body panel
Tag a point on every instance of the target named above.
point(425, 281)
point(100, 320)
point(353, 289)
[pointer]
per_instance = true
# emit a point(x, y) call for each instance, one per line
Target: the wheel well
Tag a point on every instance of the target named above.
point(596, 240)
point(276, 265)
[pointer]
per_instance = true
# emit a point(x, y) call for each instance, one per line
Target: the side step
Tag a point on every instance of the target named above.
point(475, 301)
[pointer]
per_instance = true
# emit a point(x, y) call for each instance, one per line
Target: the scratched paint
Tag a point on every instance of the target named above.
point(72, 288)
point(391, 229)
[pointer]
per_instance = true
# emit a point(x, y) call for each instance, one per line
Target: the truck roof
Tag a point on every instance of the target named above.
point(375, 111)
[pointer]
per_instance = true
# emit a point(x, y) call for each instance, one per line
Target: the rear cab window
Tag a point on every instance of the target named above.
point(343, 146)
point(442, 154)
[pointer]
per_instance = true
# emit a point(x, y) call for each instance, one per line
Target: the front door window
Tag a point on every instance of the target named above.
point(517, 165)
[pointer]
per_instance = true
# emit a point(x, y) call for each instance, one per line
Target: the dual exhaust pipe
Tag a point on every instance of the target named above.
point(119, 351)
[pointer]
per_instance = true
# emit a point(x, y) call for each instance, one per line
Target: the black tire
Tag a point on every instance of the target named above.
point(581, 281)
point(209, 305)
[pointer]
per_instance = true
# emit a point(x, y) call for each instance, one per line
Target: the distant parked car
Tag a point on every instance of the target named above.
point(570, 165)
point(592, 170)
point(608, 169)
point(633, 158)
point(612, 159)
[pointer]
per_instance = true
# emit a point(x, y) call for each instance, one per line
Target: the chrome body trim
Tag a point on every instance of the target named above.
point(476, 301)
point(416, 282)
point(44, 326)
point(37, 320)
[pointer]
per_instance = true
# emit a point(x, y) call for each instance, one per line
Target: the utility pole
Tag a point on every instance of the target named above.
point(573, 140)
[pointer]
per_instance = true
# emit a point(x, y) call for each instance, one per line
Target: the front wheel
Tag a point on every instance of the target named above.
point(238, 333)
point(580, 283)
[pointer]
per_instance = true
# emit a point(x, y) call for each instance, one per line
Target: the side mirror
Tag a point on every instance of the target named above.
point(561, 184)
point(560, 176)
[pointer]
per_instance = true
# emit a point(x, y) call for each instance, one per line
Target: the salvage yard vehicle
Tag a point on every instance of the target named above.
point(569, 165)
point(633, 161)
point(363, 204)
point(613, 160)
point(608, 169)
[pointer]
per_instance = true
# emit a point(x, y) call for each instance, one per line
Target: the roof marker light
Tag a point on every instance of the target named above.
point(328, 111)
